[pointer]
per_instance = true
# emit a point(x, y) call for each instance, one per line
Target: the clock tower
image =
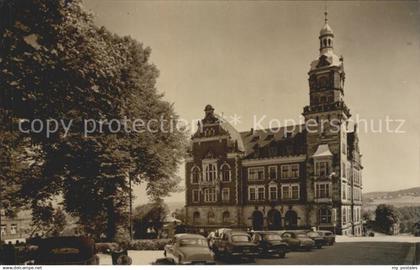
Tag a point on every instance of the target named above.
point(326, 117)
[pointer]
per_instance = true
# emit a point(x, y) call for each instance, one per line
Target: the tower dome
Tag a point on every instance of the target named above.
point(326, 37)
point(326, 30)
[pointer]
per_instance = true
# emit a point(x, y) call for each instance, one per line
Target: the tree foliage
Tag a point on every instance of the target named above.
point(408, 216)
point(57, 64)
point(149, 216)
point(385, 217)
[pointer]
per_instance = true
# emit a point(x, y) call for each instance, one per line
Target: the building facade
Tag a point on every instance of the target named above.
point(300, 176)
point(15, 228)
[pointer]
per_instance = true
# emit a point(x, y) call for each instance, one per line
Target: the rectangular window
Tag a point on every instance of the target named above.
point(343, 192)
point(285, 192)
point(209, 195)
point(225, 194)
point(256, 193)
point(210, 172)
point(3, 229)
point(290, 171)
point(272, 172)
point(252, 194)
point(325, 215)
point(321, 168)
point(343, 170)
point(196, 195)
point(273, 193)
point(261, 193)
point(344, 215)
point(295, 192)
point(290, 192)
point(323, 190)
point(284, 171)
point(256, 173)
point(295, 171)
point(13, 229)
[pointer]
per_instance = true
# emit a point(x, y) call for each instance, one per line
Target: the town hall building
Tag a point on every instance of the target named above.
point(287, 178)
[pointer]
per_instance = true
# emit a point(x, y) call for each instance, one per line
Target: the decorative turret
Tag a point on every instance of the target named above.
point(326, 37)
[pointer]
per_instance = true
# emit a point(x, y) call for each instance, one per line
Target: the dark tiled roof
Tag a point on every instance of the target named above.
point(283, 141)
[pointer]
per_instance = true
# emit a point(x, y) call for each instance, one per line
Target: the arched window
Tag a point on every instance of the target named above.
point(196, 217)
point(195, 175)
point(324, 215)
point(211, 217)
point(325, 43)
point(211, 172)
point(290, 219)
point(329, 42)
point(226, 217)
point(226, 172)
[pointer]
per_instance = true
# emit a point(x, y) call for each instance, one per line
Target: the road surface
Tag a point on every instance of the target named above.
point(348, 253)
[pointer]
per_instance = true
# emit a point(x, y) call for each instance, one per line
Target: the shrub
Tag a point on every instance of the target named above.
point(148, 244)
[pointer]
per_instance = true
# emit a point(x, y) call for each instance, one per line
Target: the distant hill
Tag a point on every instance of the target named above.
point(399, 198)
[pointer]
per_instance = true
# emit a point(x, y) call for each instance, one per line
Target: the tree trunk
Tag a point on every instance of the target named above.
point(111, 229)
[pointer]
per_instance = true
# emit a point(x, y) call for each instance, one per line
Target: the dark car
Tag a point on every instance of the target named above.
point(317, 238)
point(417, 229)
point(328, 236)
point(188, 248)
point(270, 244)
point(235, 244)
point(66, 250)
point(298, 240)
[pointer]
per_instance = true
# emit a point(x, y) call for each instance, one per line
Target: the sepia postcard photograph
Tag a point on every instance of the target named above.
point(150, 133)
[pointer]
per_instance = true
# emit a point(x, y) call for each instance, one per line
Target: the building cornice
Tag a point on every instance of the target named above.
point(276, 160)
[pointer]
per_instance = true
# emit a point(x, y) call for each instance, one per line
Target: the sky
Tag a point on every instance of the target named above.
point(252, 58)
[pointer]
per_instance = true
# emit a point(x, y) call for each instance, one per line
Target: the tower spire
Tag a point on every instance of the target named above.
point(325, 13)
point(326, 35)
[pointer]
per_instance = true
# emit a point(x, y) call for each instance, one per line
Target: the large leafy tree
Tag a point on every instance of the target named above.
point(56, 64)
point(385, 217)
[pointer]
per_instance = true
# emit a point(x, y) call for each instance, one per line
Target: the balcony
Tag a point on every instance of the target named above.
point(339, 105)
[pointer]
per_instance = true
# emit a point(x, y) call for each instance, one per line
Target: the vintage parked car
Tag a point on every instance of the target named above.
point(317, 238)
point(235, 244)
point(270, 244)
point(66, 250)
point(417, 229)
point(186, 248)
point(328, 236)
point(298, 240)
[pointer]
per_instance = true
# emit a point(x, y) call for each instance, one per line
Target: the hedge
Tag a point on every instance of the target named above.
point(148, 244)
